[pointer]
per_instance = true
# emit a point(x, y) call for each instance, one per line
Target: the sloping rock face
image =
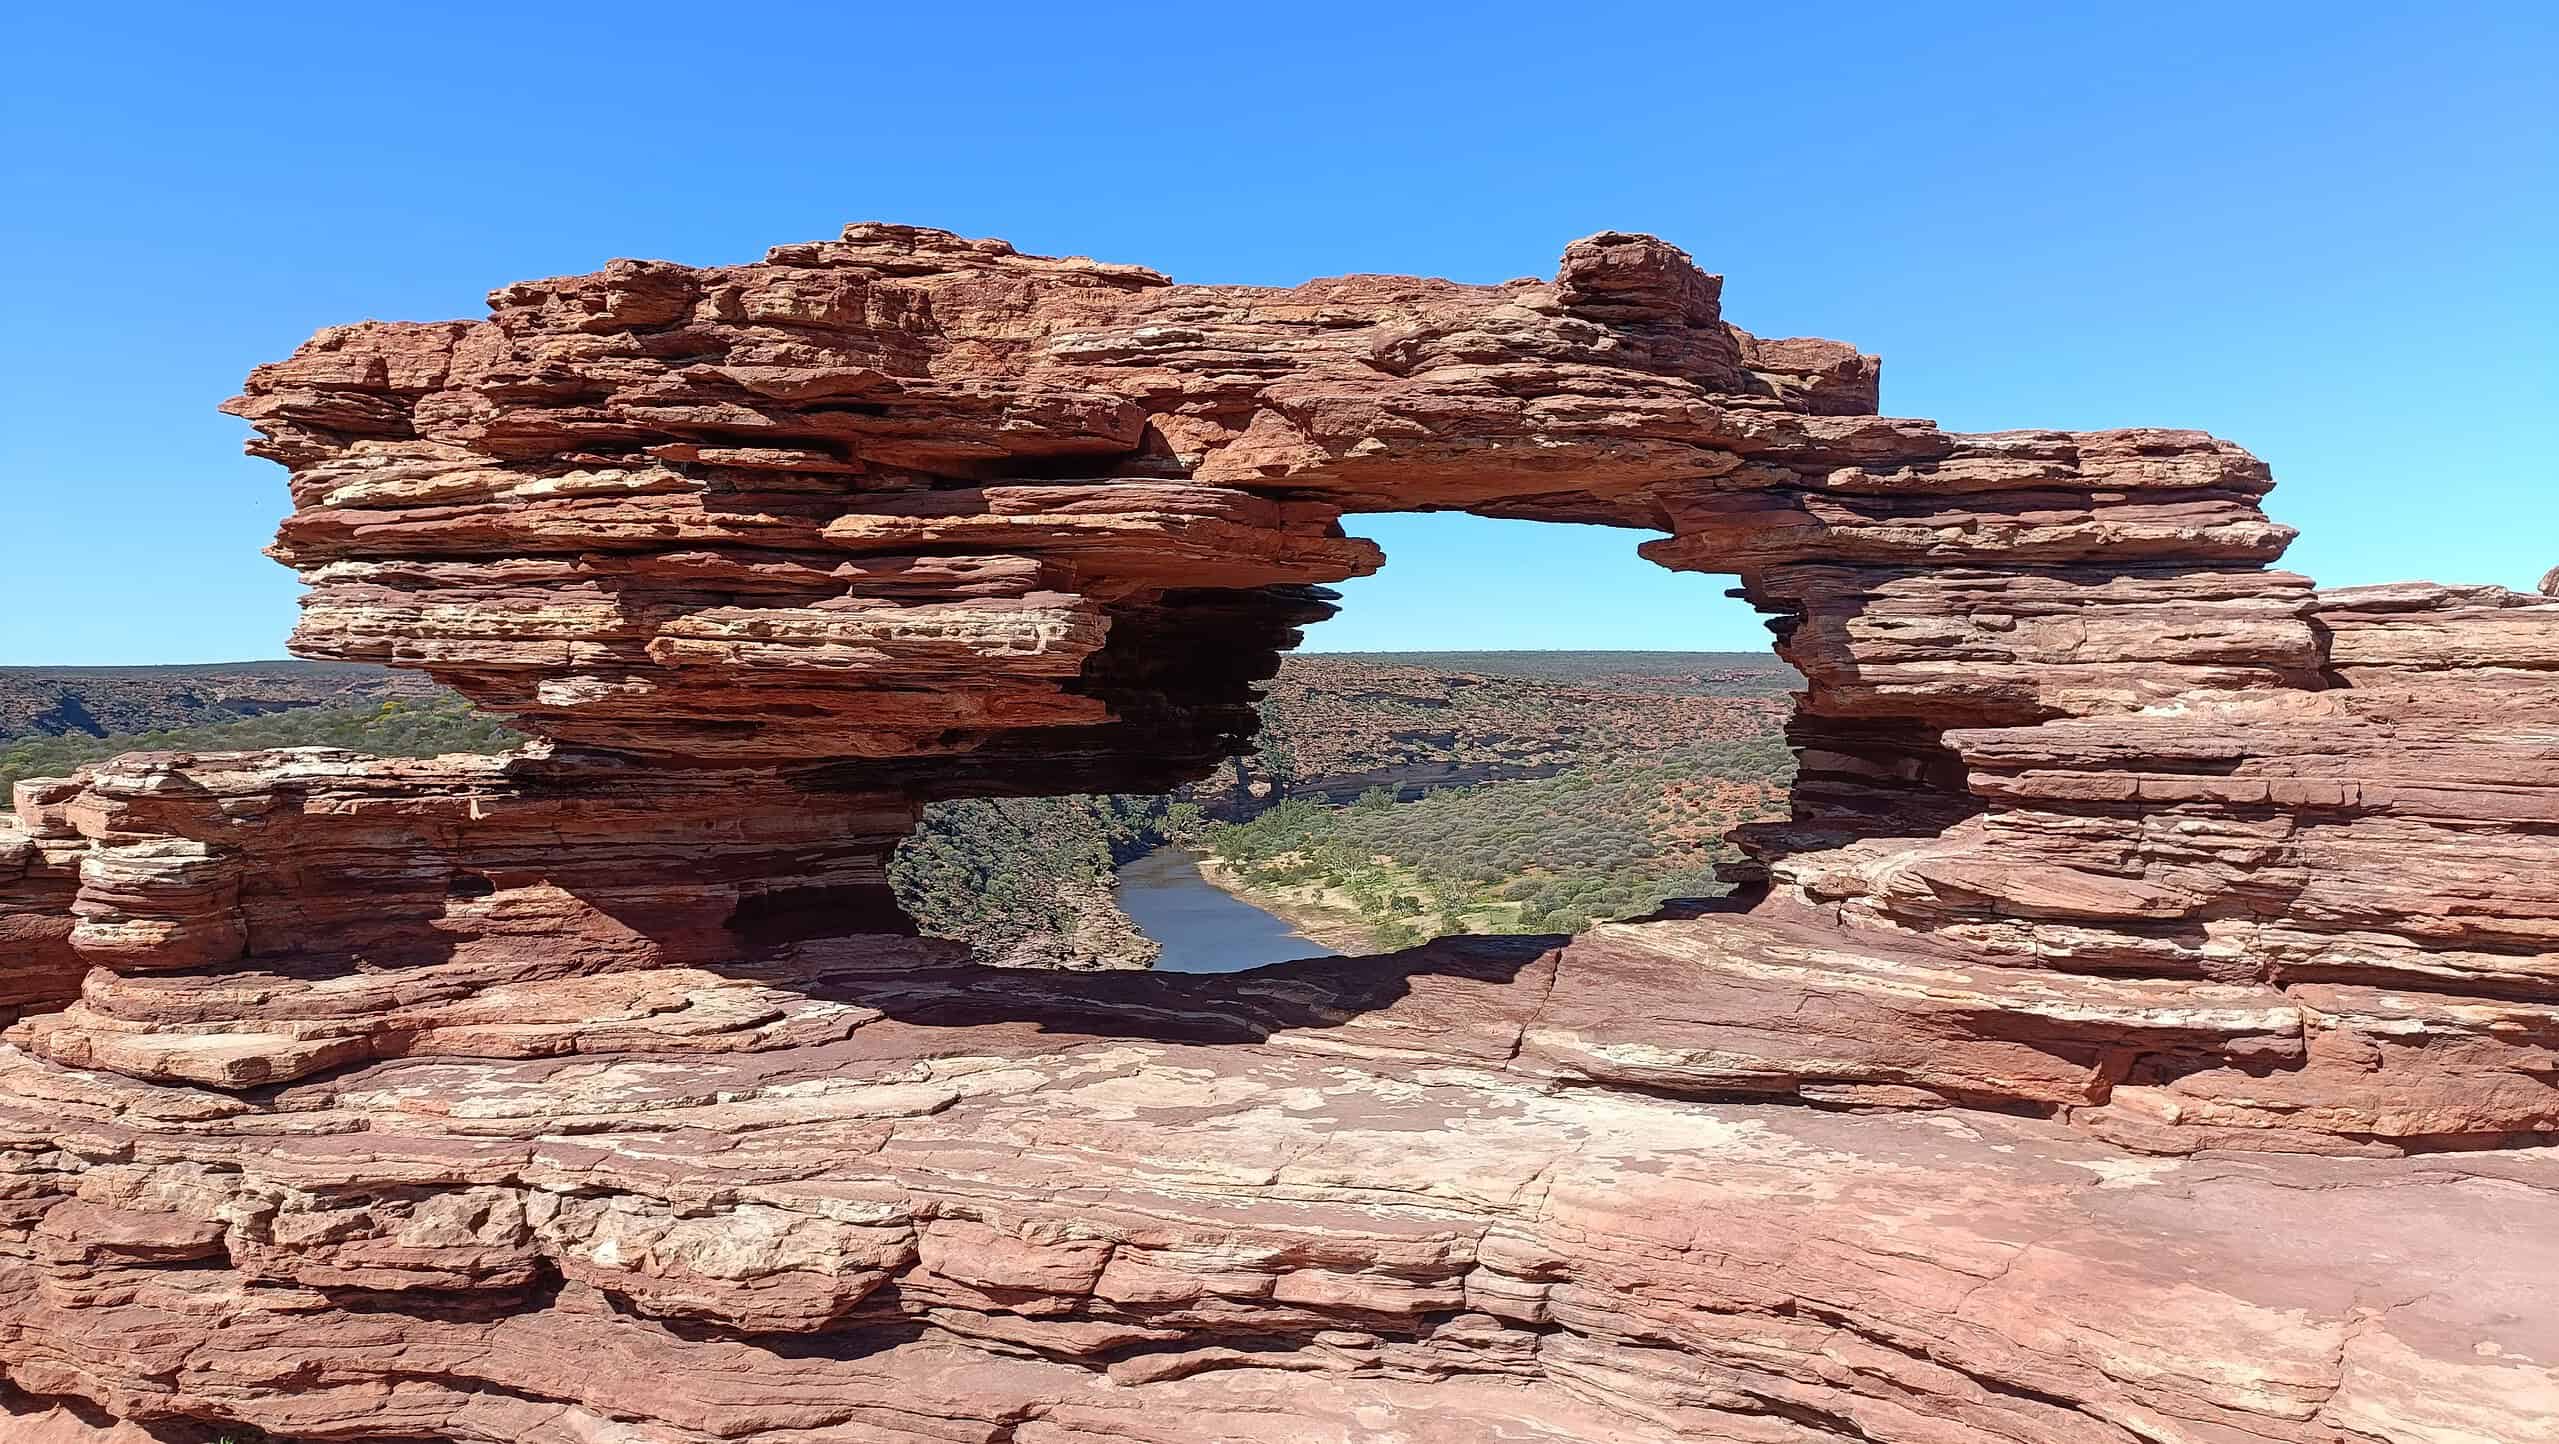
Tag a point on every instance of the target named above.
point(2143, 1029)
point(1343, 1202)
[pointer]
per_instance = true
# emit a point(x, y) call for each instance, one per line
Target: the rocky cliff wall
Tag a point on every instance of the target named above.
point(39, 878)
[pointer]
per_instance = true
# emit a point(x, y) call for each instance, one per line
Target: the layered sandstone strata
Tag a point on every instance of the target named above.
point(251, 918)
point(2143, 1028)
point(920, 505)
point(39, 876)
point(1339, 1202)
point(922, 516)
point(2382, 853)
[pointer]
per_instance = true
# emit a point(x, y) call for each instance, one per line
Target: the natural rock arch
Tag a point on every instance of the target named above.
point(2098, 821)
point(774, 553)
point(940, 518)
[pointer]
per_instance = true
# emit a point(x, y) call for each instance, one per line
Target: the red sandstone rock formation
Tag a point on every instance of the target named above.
point(590, 1095)
point(253, 918)
point(1317, 1211)
point(39, 876)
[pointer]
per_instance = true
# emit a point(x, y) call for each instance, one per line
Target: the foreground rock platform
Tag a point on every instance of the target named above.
point(2145, 1027)
point(1169, 1212)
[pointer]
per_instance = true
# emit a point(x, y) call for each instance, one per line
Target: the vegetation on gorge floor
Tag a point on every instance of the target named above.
point(1652, 756)
point(1709, 674)
point(1607, 839)
point(1003, 874)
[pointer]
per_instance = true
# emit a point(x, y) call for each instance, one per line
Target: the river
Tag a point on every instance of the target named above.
point(1203, 927)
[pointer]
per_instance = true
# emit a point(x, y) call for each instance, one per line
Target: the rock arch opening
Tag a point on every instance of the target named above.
point(1448, 773)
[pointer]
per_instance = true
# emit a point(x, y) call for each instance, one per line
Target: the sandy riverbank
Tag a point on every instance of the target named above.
point(1316, 912)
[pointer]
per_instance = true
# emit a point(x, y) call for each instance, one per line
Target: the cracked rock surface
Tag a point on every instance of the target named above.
point(1133, 1223)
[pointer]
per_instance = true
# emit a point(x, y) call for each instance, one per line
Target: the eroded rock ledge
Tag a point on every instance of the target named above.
point(2144, 1028)
point(1345, 1201)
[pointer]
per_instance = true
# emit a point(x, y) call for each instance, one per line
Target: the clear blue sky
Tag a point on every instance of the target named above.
point(2323, 230)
